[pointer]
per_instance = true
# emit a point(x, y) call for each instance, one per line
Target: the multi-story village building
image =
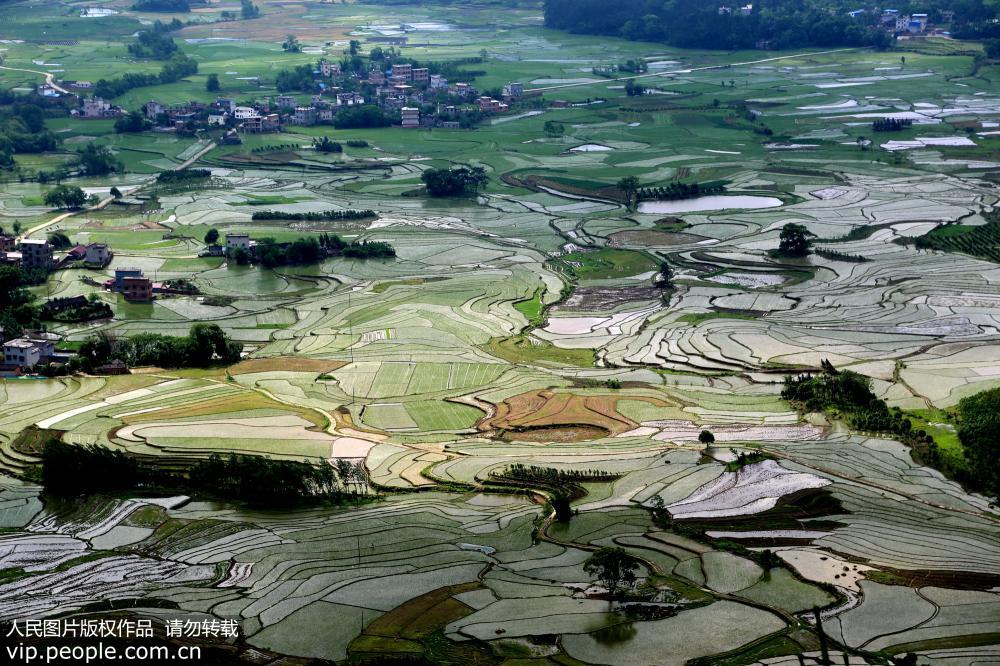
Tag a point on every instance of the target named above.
point(36, 253)
point(410, 116)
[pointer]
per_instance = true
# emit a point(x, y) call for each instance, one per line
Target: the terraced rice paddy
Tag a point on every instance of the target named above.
point(525, 327)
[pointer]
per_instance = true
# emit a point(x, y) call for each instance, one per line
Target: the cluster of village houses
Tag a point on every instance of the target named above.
point(34, 348)
point(401, 88)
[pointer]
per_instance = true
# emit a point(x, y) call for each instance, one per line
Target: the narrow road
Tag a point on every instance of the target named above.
point(687, 71)
point(49, 78)
point(107, 200)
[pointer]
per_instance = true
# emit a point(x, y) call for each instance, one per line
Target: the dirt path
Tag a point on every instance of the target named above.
point(107, 200)
point(686, 71)
point(49, 78)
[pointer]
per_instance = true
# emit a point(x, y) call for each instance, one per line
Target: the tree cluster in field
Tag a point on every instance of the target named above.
point(65, 196)
point(248, 10)
point(321, 216)
point(93, 309)
point(979, 433)
point(369, 250)
point(679, 190)
point(70, 470)
point(356, 143)
point(633, 89)
point(454, 181)
point(891, 124)
point(98, 160)
point(155, 43)
point(22, 129)
point(133, 121)
point(182, 176)
point(851, 394)
point(205, 344)
point(361, 116)
point(783, 24)
point(303, 251)
point(744, 458)
point(172, 71)
point(327, 145)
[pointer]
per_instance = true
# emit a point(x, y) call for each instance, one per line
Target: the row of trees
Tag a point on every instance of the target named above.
point(891, 124)
point(70, 470)
point(205, 344)
point(172, 6)
point(172, 71)
point(303, 251)
point(320, 216)
point(697, 24)
point(183, 176)
point(679, 190)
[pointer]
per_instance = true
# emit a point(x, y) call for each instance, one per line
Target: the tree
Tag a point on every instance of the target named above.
point(212, 83)
point(993, 48)
point(115, 192)
point(16, 302)
point(665, 276)
point(633, 89)
point(98, 160)
point(63, 196)
point(248, 10)
point(354, 47)
point(706, 437)
point(613, 567)
point(554, 128)
point(207, 342)
point(241, 256)
point(863, 142)
point(16, 227)
point(629, 185)
point(59, 240)
point(291, 44)
point(133, 121)
point(794, 240)
point(211, 236)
